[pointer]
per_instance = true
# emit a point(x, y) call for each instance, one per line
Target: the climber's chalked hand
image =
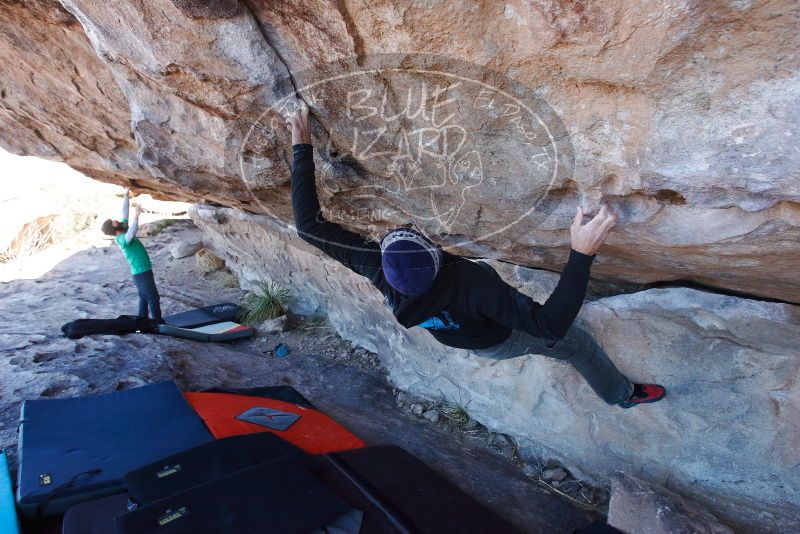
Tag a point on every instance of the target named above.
point(297, 122)
point(587, 238)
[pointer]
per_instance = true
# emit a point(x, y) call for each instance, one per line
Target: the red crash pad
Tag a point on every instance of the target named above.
point(312, 431)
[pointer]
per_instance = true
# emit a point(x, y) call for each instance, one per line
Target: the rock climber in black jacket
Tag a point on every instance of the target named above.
point(463, 303)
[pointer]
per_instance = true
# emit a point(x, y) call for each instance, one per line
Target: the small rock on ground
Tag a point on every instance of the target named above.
point(184, 249)
point(635, 503)
point(432, 415)
point(272, 326)
point(557, 474)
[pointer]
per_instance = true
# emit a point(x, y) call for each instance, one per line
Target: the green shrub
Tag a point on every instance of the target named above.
point(264, 301)
point(160, 226)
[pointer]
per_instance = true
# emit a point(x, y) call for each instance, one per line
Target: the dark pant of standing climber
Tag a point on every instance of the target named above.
point(578, 348)
point(148, 295)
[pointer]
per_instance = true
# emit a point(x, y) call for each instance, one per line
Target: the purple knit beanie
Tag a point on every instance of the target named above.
point(410, 261)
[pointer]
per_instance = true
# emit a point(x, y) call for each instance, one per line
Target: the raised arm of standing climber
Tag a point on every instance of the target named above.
point(130, 227)
point(133, 226)
point(126, 204)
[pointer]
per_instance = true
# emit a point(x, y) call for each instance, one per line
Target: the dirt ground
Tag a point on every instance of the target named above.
point(87, 277)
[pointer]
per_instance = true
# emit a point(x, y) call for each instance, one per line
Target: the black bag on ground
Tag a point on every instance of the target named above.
point(204, 463)
point(124, 324)
point(95, 517)
point(273, 497)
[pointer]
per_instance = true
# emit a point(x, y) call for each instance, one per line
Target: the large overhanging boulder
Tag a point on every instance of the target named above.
point(681, 115)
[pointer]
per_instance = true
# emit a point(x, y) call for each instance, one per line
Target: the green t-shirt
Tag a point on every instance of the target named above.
point(135, 253)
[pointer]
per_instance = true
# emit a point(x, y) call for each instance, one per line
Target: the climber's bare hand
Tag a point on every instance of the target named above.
point(297, 122)
point(587, 238)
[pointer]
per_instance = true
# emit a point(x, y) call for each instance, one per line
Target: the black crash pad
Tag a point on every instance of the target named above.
point(215, 332)
point(216, 313)
point(277, 496)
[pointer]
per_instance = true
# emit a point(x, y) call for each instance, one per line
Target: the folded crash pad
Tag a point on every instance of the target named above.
point(96, 516)
point(217, 313)
point(279, 496)
point(414, 496)
point(225, 331)
point(204, 463)
point(73, 450)
point(8, 513)
point(227, 414)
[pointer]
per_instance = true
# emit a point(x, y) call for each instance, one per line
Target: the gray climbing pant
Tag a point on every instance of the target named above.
point(148, 295)
point(578, 348)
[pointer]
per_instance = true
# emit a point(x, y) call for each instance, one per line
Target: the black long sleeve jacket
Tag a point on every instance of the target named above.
point(469, 306)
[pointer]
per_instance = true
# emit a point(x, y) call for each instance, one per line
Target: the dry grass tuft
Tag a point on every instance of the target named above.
point(225, 280)
point(39, 234)
point(208, 262)
point(30, 241)
point(452, 413)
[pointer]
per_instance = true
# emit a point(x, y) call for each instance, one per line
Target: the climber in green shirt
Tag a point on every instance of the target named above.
point(125, 236)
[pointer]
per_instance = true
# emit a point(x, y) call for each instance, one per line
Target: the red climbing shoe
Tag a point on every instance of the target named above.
point(642, 394)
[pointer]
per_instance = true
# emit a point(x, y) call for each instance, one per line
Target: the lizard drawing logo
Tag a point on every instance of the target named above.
point(413, 138)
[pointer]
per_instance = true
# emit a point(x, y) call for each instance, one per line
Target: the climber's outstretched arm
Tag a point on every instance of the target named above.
point(126, 201)
point(133, 226)
point(357, 253)
point(507, 306)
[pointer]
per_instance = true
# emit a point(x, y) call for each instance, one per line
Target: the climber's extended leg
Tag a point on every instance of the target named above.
point(579, 348)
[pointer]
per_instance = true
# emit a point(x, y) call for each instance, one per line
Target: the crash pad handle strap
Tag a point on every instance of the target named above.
point(391, 517)
point(58, 489)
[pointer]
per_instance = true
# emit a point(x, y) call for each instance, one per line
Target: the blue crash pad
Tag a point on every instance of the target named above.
point(216, 313)
point(8, 514)
point(73, 450)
